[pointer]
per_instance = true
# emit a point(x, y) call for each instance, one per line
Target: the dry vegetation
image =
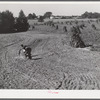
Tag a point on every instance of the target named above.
point(55, 64)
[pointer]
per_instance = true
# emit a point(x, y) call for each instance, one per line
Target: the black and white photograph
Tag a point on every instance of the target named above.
point(50, 46)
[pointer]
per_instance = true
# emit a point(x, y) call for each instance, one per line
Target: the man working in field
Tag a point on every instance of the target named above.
point(25, 51)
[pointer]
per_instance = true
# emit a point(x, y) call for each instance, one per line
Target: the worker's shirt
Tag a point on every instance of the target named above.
point(22, 52)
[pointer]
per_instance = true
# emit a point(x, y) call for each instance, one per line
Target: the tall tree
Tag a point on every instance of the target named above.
point(21, 22)
point(41, 19)
point(21, 14)
point(47, 14)
point(31, 16)
point(6, 22)
point(34, 15)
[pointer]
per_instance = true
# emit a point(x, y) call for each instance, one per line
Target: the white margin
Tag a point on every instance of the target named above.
point(70, 94)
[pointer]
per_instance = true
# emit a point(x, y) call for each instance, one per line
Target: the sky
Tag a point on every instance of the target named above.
point(57, 8)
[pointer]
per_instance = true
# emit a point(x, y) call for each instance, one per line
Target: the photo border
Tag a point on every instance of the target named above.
point(52, 95)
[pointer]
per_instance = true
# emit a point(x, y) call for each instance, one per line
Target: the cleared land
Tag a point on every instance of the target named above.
point(55, 64)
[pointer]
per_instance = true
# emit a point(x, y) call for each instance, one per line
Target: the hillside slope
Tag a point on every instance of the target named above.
point(54, 65)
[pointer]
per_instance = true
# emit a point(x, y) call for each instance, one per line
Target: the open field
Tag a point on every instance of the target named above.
point(55, 64)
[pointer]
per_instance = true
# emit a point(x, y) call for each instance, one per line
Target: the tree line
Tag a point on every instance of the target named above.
point(11, 24)
point(90, 15)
